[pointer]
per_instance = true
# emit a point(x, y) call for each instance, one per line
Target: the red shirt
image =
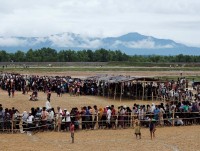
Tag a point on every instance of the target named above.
point(72, 128)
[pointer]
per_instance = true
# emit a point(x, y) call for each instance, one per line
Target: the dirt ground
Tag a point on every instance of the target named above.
point(184, 138)
point(167, 139)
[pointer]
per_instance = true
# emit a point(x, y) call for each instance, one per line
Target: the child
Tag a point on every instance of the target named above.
point(72, 131)
point(152, 129)
point(137, 129)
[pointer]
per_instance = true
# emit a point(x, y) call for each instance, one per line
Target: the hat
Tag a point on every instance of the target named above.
point(29, 112)
point(177, 116)
point(65, 109)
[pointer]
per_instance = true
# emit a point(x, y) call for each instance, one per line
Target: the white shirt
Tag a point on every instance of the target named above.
point(48, 105)
point(67, 117)
point(30, 119)
point(109, 113)
point(51, 115)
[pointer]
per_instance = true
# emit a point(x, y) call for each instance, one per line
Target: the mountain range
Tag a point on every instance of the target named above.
point(131, 44)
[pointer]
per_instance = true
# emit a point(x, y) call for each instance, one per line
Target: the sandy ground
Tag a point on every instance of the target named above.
point(167, 139)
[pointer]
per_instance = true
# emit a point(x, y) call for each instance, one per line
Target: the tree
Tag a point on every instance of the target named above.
point(19, 56)
point(4, 56)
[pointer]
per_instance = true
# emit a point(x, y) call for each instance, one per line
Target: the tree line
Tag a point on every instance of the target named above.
point(100, 55)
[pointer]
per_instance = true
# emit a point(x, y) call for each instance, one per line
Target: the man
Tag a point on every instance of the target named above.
point(109, 112)
point(44, 117)
point(156, 112)
point(113, 117)
point(66, 119)
point(59, 118)
point(178, 121)
point(30, 120)
point(161, 119)
point(95, 116)
point(48, 105)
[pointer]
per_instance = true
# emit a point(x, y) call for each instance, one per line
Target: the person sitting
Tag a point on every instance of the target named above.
point(178, 121)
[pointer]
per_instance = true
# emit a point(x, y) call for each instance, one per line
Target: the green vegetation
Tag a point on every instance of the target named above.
point(101, 55)
point(62, 69)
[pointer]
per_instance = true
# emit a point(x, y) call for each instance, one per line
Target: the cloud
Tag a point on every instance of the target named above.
point(141, 44)
point(63, 40)
point(12, 42)
point(159, 18)
point(73, 40)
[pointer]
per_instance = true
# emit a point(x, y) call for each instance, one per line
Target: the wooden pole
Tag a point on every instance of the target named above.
point(143, 90)
point(136, 91)
point(115, 91)
point(152, 95)
point(121, 93)
point(103, 89)
point(173, 117)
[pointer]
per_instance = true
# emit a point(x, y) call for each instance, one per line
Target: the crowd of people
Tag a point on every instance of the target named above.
point(109, 117)
point(33, 83)
point(183, 107)
point(170, 90)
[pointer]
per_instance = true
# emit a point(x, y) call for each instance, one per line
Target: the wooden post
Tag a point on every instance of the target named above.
point(121, 93)
point(164, 100)
point(173, 117)
point(152, 95)
point(143, 91)
point(136, 91)
point(103, 89)
point(115, 91)
point(139, 95)
point(97, 122)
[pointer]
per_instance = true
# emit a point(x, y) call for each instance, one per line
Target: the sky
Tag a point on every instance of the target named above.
point(178, 20)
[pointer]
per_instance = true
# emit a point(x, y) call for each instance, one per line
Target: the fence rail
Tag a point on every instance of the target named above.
point(120, 121)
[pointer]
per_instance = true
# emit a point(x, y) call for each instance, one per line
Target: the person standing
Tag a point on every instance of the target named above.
point(48, 105)
point(44, 117)
point(49, 94)
point(152, 128)
point(72, 131)
point(30, 120)
point(58, 119)
point(109, 112)
point(137, 129)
